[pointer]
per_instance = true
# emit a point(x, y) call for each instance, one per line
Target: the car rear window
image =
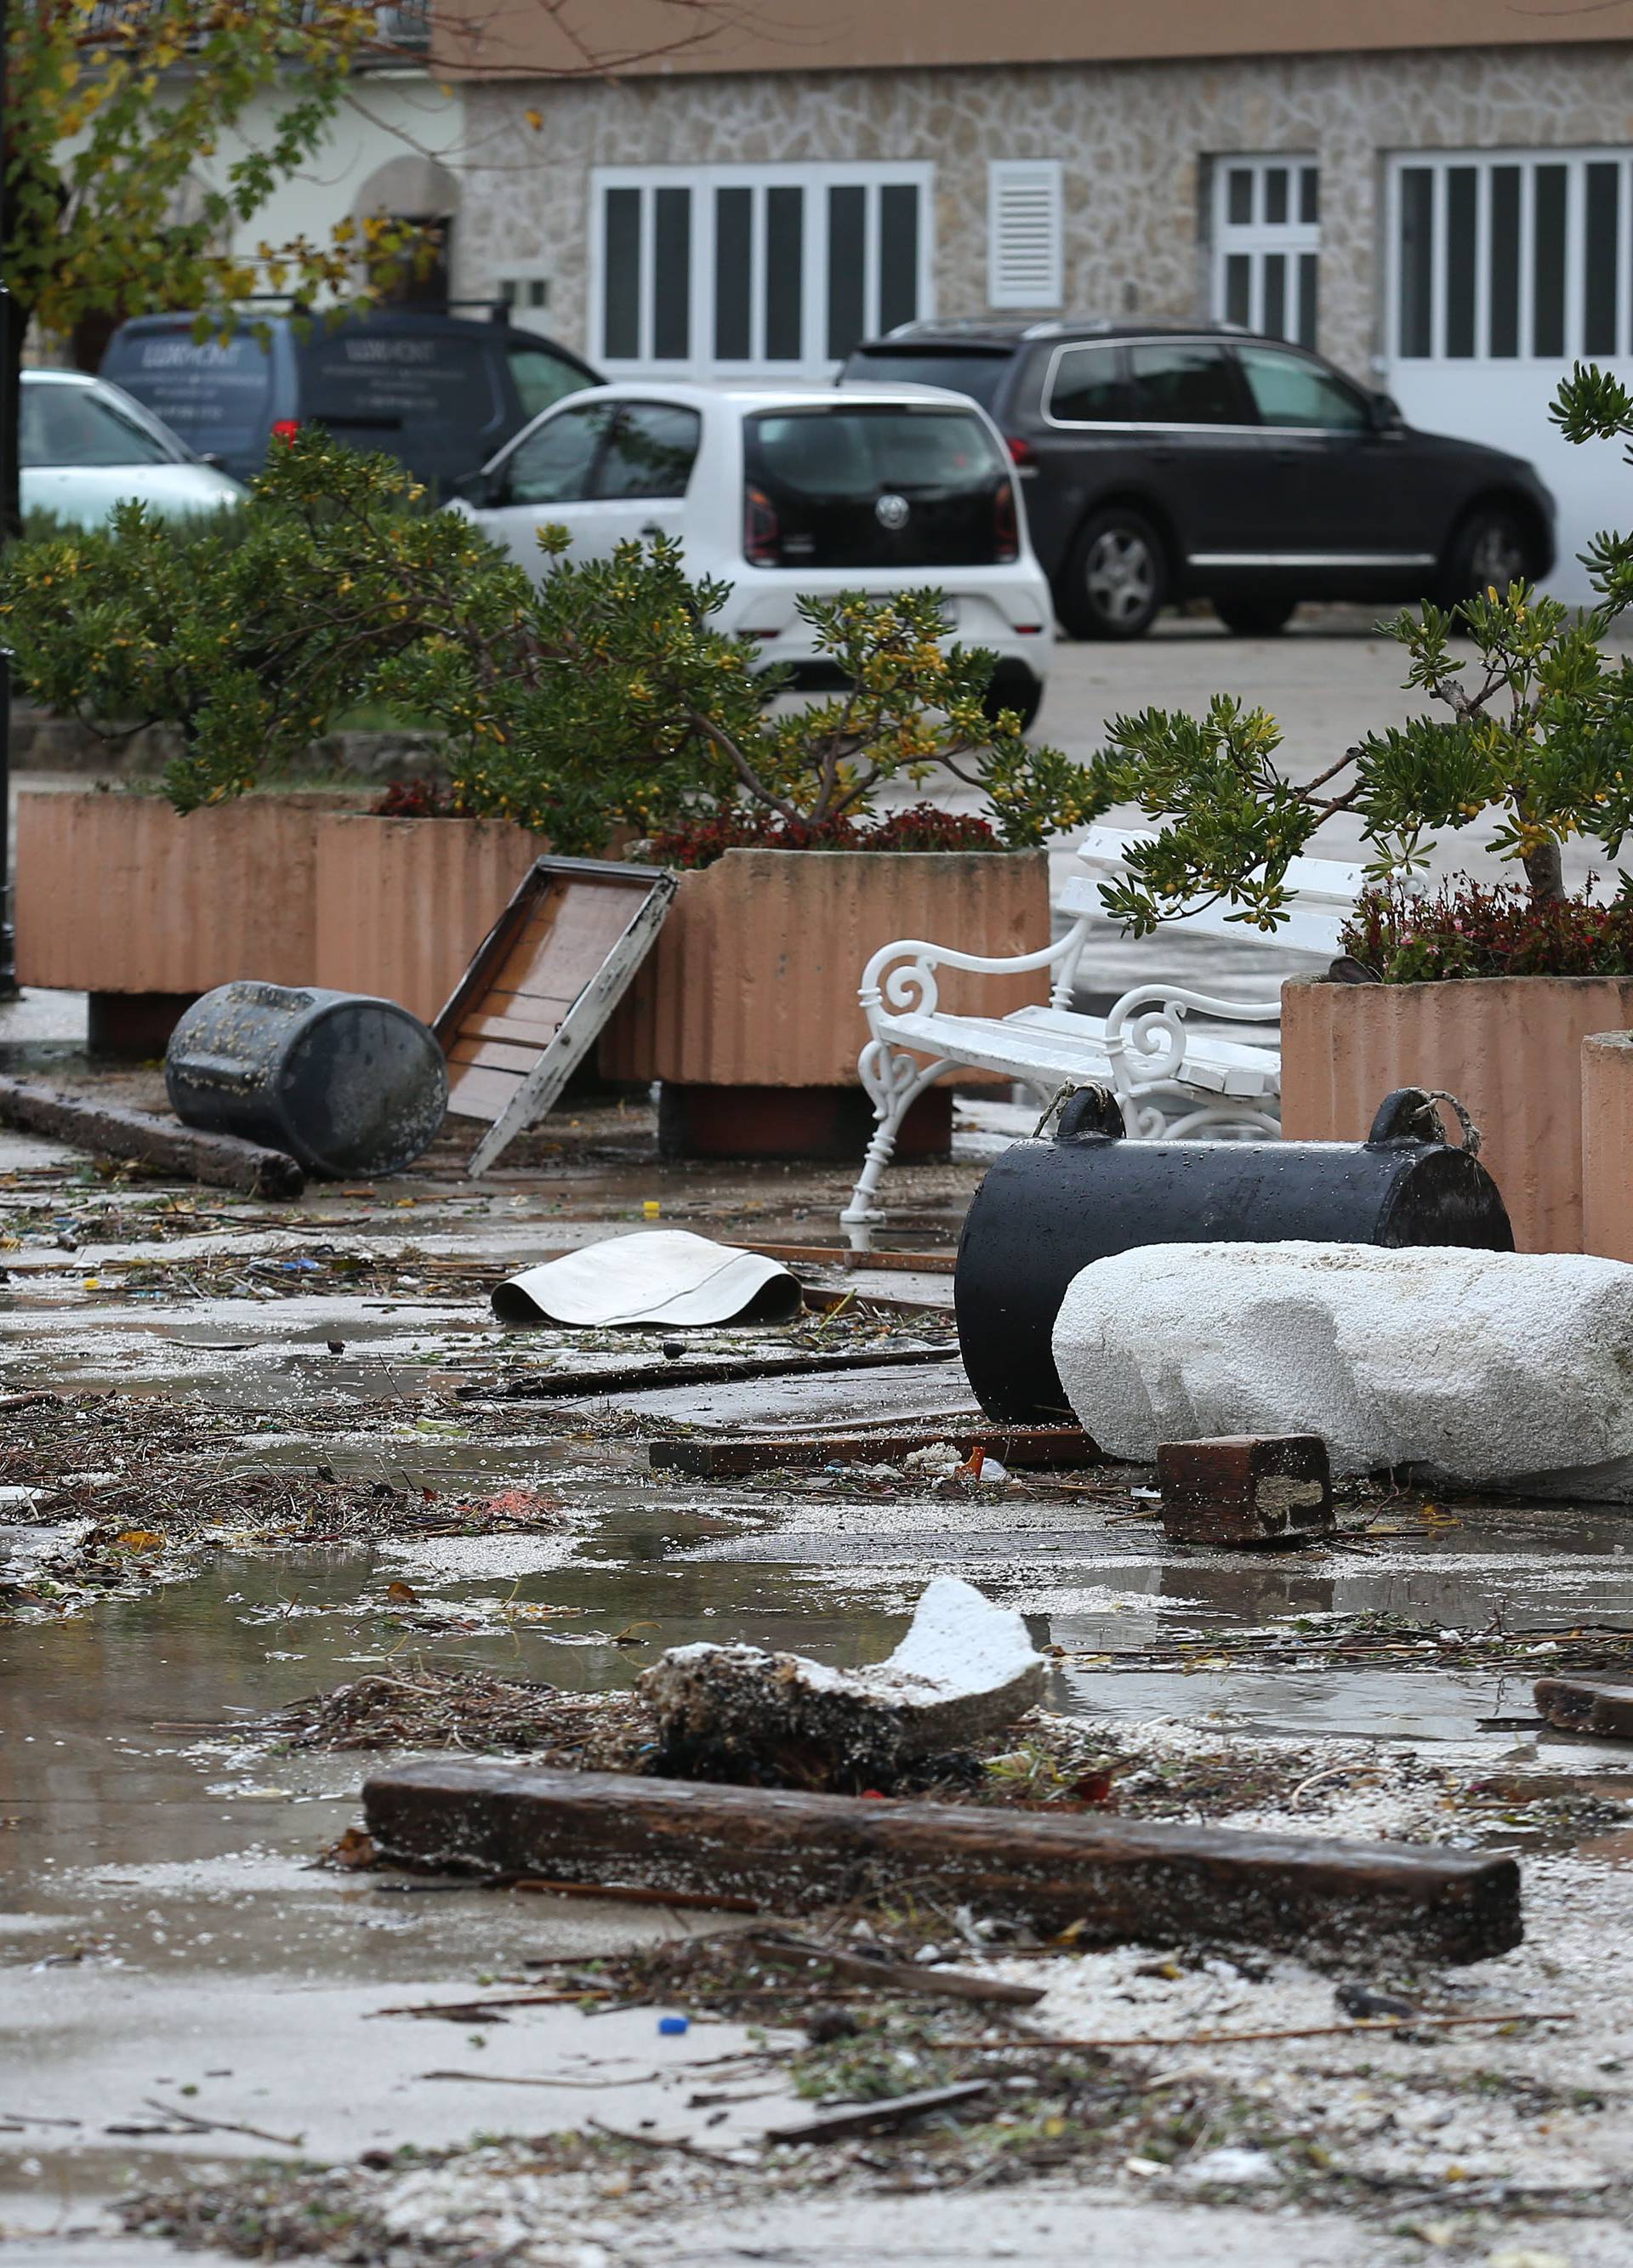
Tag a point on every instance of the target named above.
point(215, 392)
point(363, 382)
point(877, 486)
point(1087, 387)
point(977, 371)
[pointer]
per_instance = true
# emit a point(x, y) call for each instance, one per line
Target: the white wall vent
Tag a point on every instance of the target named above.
point(1024, 224)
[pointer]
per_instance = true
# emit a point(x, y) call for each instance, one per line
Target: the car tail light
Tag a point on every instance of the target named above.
point(762, 537)
point(1005, 528)
point(284, 428)
point(1021, 452)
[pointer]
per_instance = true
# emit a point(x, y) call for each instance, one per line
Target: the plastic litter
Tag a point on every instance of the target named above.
point(656, 1276)
point(672, 2026)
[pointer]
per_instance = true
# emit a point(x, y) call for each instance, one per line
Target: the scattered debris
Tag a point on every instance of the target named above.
point(1111, 1879)
point(877, 2117)
point(1251, 1489)
point(965, 1668)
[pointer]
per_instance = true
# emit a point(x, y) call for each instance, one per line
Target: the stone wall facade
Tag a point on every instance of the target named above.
point(1135, 140)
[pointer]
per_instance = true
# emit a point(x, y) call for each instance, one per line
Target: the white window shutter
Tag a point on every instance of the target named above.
point(1025, 233)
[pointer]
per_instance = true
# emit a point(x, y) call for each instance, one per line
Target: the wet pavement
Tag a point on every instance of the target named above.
point(174, 1954)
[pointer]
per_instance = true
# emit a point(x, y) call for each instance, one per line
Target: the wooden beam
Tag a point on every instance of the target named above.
point(1116, 1880)
point(555, 1385)
point(221, 1159)
point(1039, 1447)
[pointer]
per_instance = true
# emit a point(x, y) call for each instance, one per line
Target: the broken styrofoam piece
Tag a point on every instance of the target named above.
point(656, 1276)
point(965, 1668)
point(1508, 1369)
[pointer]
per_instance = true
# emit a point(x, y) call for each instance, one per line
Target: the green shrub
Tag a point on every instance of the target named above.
point(602, 699)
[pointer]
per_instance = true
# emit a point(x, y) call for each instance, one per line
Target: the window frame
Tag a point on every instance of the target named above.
point(621, 410)
point(1257, 239)
point(1575, 158)
point(506, 463)
point(815, 180)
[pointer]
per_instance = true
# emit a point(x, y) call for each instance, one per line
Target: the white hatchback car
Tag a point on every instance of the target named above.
point(789, 494)
point(85, 447)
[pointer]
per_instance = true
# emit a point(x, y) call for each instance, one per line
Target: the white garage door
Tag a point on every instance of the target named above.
point(1504, 267)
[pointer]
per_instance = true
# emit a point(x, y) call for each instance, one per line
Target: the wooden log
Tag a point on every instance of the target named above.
point(222, 1159)
point(881, 2117)
point(1245, 1488)
point(1579, 1705)
point(1117, 1880)
point(1037, 1447)
point(561, 1385)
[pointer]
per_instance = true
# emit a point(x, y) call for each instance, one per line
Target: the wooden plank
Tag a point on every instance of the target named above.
point(1041, 1448)
point(882, 2115)
point(223, 1161)
point(549, 1385)
point(522, 1031)
point(1114, 1881)
point(1582, 1704)
point(486, 1094)
point(491, 1055)
point(838, 1256)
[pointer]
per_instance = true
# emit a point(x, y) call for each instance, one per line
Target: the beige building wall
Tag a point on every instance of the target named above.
point(1133, 137)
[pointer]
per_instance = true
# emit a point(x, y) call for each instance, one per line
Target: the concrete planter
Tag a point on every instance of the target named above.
point(1509, 1048)
point(1608, 1144)
point(401, 904)
point(121, 897)
point(747, 1007)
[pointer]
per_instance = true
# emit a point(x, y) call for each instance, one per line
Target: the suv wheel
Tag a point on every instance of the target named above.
point(1115, 578)
point(1489, 551)
point(1255, 617)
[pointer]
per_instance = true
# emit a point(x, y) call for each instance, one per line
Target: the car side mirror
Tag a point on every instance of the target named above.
point(215, 463)
point(1385, 413)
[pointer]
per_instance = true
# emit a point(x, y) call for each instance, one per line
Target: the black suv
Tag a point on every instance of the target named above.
point(1167, 462)
point(441, 392)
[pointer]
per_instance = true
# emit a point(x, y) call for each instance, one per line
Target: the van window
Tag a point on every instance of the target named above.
point(553, 464)
point(651, 452)
point(365, 381)
point(1186, 383)
point(215, 392)
point(876, 487)
point(1088, 387)
point(70, 425)
point(541, 379)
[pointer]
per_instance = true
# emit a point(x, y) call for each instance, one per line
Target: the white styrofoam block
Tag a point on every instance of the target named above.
point(1491, 1368)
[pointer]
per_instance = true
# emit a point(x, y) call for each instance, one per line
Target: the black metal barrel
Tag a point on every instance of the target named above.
point(1046, 1209)
point(347, 1084)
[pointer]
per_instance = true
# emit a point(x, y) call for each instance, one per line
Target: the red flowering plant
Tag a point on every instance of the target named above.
point(1537, 732)
point(924, 827)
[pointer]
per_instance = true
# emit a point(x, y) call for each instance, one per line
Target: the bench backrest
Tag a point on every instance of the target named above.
point(1321, 894)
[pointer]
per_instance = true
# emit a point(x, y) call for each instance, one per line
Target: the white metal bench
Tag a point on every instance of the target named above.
point(1172, 1081)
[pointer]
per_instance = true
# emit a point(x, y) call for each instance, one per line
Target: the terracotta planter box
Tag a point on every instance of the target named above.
point(1509, 1048)
point(752, 984)
point(401, 904)
point(118, 894)
point(1608, 1144)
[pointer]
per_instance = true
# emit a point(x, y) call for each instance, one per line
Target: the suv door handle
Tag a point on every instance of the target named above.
point(1165, 456)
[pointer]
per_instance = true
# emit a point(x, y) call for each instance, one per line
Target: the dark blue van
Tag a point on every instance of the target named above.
point(439, 391)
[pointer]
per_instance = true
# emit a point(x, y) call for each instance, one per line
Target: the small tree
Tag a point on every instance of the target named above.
point(1539, 730)
point(603, 699)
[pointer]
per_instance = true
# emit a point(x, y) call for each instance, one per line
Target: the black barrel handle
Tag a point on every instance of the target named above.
point(1081, 1113)
point(1409, 1114)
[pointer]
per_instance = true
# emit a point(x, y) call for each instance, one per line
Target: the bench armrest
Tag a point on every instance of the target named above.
point(1147, 1025)
point(902, 976)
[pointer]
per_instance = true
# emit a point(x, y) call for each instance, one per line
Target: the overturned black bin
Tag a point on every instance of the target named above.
point(345, 1083)
point(1047, 1208)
